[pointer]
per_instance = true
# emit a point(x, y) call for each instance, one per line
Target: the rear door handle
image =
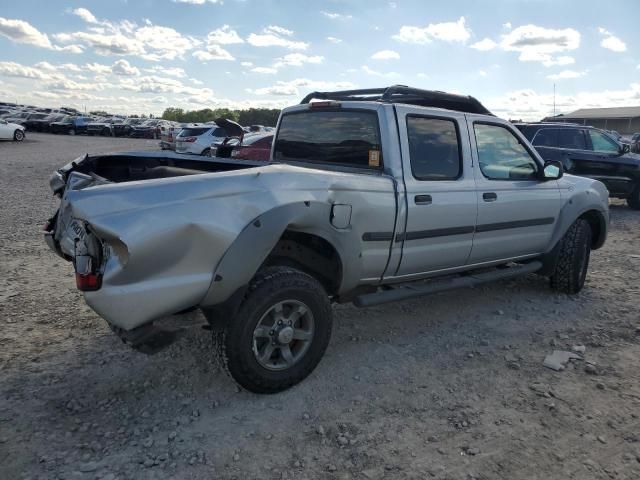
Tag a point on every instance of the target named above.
point(422, 199)
point(489, 196)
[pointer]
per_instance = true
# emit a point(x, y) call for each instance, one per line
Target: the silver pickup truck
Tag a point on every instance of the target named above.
point(371, 196)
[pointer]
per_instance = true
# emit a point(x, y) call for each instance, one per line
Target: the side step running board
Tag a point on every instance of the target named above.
point(411, 290)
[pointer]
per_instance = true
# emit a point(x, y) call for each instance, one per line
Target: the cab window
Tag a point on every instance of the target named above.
point(434, 148)
point(501, 155)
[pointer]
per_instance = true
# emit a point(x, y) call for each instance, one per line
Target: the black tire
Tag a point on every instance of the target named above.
point(573, 258)
point(18, 135)
point(206, 152)
point(634, 200)
point(236, 342)
point(72, 131)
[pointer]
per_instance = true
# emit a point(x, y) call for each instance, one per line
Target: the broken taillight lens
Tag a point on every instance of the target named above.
point(88, 282)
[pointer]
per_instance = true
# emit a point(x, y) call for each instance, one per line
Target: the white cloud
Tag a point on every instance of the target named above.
point(275, 29)
point(485, 45)
point(293, 88)
point(213, 52)
point(267, 70)
point(611, 42)
point(124, 68)
point(337, 16)
point(272, 36)
point(446, 31)
point(20, 31)
point(507, 26)
point(170, 71)
point(298, 59)
point(376, 73)
point(536, 44)
point(385, 55)
point(224, 36)
point(482, 73)
point(13, 69)
point(97, 68)
point(85, 15)
point(334, 40)
point(195, 81)
point(565, 74)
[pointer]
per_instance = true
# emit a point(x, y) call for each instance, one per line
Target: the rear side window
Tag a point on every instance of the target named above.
point(341, 137)
point(547, 137)
point(219, 132)
point(434, 148)
point(193, 132)
point(572, 138)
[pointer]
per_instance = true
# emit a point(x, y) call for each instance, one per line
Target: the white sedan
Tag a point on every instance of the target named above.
point(11, 131)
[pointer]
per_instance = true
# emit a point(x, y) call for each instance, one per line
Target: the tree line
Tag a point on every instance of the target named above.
point(252, 116)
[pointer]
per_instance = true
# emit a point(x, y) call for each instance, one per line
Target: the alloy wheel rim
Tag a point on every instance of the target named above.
point(283, 335)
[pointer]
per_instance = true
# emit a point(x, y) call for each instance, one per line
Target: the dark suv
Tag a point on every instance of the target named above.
point(589, 152)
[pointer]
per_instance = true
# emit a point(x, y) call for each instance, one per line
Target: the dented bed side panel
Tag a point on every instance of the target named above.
point(166, 238)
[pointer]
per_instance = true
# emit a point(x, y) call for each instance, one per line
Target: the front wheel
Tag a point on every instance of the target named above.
point(280, 333)
point(634, 199)
point(573, 258)
point(18, 135)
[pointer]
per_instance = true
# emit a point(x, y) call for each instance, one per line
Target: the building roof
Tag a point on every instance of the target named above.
point(614, 112)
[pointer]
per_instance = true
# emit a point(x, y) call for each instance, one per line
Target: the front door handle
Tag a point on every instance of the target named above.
point(422, 199)
point(489, 196)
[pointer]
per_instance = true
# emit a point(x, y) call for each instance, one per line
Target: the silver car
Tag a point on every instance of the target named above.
point(198, 139)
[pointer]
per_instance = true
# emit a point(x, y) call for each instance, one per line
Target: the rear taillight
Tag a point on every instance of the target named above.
point(189, 139)
point(88, 282)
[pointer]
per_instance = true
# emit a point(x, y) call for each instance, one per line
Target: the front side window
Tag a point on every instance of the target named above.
point(501, 155)
point(433, 148)
point(602, 143)
point(341, 137)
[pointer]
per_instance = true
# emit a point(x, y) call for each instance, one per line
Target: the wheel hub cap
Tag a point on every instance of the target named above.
point(285, 335)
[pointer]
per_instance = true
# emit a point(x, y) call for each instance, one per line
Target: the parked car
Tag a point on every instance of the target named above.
point(168, 136)
point(103, 126)
point(19, 117)
point(40, 122)
point(198, 140)
point(124, 127)
point(11, 131)
point(372, 196)
point(589, 152)
point(256, 146)
point(152, 128)
point(70, 125)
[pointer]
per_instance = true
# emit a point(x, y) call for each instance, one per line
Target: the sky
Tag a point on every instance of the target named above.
point(142, 56)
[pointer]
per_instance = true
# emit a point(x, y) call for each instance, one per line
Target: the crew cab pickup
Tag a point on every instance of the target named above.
point(370, 196)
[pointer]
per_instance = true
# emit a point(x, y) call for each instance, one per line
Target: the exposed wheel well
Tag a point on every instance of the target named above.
point(598, 227)
point(311, 254)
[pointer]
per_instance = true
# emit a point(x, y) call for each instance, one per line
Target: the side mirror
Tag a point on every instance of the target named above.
point(624, 148)
point(553, 170)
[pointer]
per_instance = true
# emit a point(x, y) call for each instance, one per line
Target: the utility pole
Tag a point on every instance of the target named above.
point(554, 99)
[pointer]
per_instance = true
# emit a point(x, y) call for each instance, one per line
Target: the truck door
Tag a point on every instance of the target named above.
point(517, 210)
point(440, 191)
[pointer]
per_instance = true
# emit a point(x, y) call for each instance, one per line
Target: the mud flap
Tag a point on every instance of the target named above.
point(149, 339)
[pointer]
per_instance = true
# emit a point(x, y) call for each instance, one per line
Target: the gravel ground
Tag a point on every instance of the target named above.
point(447, 387)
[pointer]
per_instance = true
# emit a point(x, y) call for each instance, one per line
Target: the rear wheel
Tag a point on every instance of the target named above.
point(72, 131)
point(573, 258)
point(634, 199)
point(206, 152)
point(18, 135)
point(280, 333)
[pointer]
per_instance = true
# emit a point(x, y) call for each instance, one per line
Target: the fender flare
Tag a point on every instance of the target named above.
point(253, 245)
